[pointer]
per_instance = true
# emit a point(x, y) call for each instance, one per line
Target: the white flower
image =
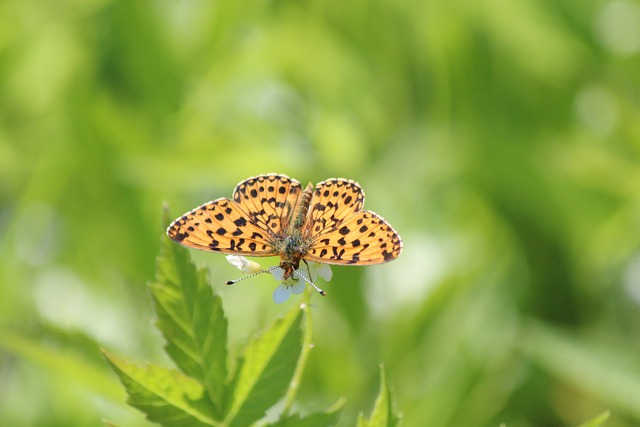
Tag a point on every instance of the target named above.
point(243, 264)
point(282, 292)
point(316, 270)
point(293, 285)
point(322, 270)
point(296, 283)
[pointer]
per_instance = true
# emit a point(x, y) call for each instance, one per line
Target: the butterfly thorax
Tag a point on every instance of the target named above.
point(297, 240)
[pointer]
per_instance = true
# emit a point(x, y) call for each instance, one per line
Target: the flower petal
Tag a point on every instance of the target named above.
point(236, 261)
point(278, 273)
point(324, 271)
point(243, 264)
point(298, 288)
point(281, 294)
point(302, 273)
point(312, 272)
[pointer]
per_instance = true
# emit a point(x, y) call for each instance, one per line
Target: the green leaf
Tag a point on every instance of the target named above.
point(327, 418)
point(265, 370)
point(192, 321)
point(597, 421)
point(166, 396)
point(384, 412)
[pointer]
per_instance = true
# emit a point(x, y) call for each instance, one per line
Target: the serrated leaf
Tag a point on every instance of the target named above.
point(166, 396)
point(327, 418)
point(384, 412)
point(265, 370)
point(597, 421)
point(192, 321)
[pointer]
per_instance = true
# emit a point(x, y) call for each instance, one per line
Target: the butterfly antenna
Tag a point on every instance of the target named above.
point(320, 291)
point(231, 282)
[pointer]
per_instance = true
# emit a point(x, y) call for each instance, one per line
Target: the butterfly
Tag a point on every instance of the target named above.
point(271, 215)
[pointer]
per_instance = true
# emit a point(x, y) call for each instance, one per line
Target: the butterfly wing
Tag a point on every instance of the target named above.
point(247, 225)
point(333, 201)
point(269, 200)
point(222, 226)
point(343, 233)
point(364, 238)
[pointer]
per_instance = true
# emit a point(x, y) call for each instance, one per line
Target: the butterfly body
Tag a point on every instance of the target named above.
point(295, 240)
point(270, 215)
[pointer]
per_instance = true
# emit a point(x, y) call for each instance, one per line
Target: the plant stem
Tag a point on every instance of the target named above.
point(294, 385)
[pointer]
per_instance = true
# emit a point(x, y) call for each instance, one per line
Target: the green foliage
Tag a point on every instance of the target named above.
point(265, 369)
point(384, 413)
point(608, 374)
point(500, 138)
point(201, 392)
point(192, 322)
point(311, 420)
point(167, 397)
point(598, 421)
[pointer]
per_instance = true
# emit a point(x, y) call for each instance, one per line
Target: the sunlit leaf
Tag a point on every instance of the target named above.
point(166, 396)
point(265, 370)
point(316, 419)
point(597, 421)
point(384, 413)
point(192, 321)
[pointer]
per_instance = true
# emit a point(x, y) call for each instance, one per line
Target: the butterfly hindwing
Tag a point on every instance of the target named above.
point(363, 238)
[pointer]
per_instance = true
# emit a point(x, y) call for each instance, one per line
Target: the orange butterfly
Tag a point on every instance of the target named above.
point(272, 215)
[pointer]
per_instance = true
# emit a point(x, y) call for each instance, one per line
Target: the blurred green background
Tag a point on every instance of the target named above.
point(501, 138)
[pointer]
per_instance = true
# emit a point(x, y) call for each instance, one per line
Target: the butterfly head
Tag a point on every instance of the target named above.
point(289, 266)
point(291, 249)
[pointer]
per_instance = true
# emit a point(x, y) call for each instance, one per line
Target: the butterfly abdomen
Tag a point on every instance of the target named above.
point(302, 208)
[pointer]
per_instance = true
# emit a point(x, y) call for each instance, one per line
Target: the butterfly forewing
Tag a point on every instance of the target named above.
point(269, 200)
point(221, 226)
point(334, 200)
point(363, 238)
